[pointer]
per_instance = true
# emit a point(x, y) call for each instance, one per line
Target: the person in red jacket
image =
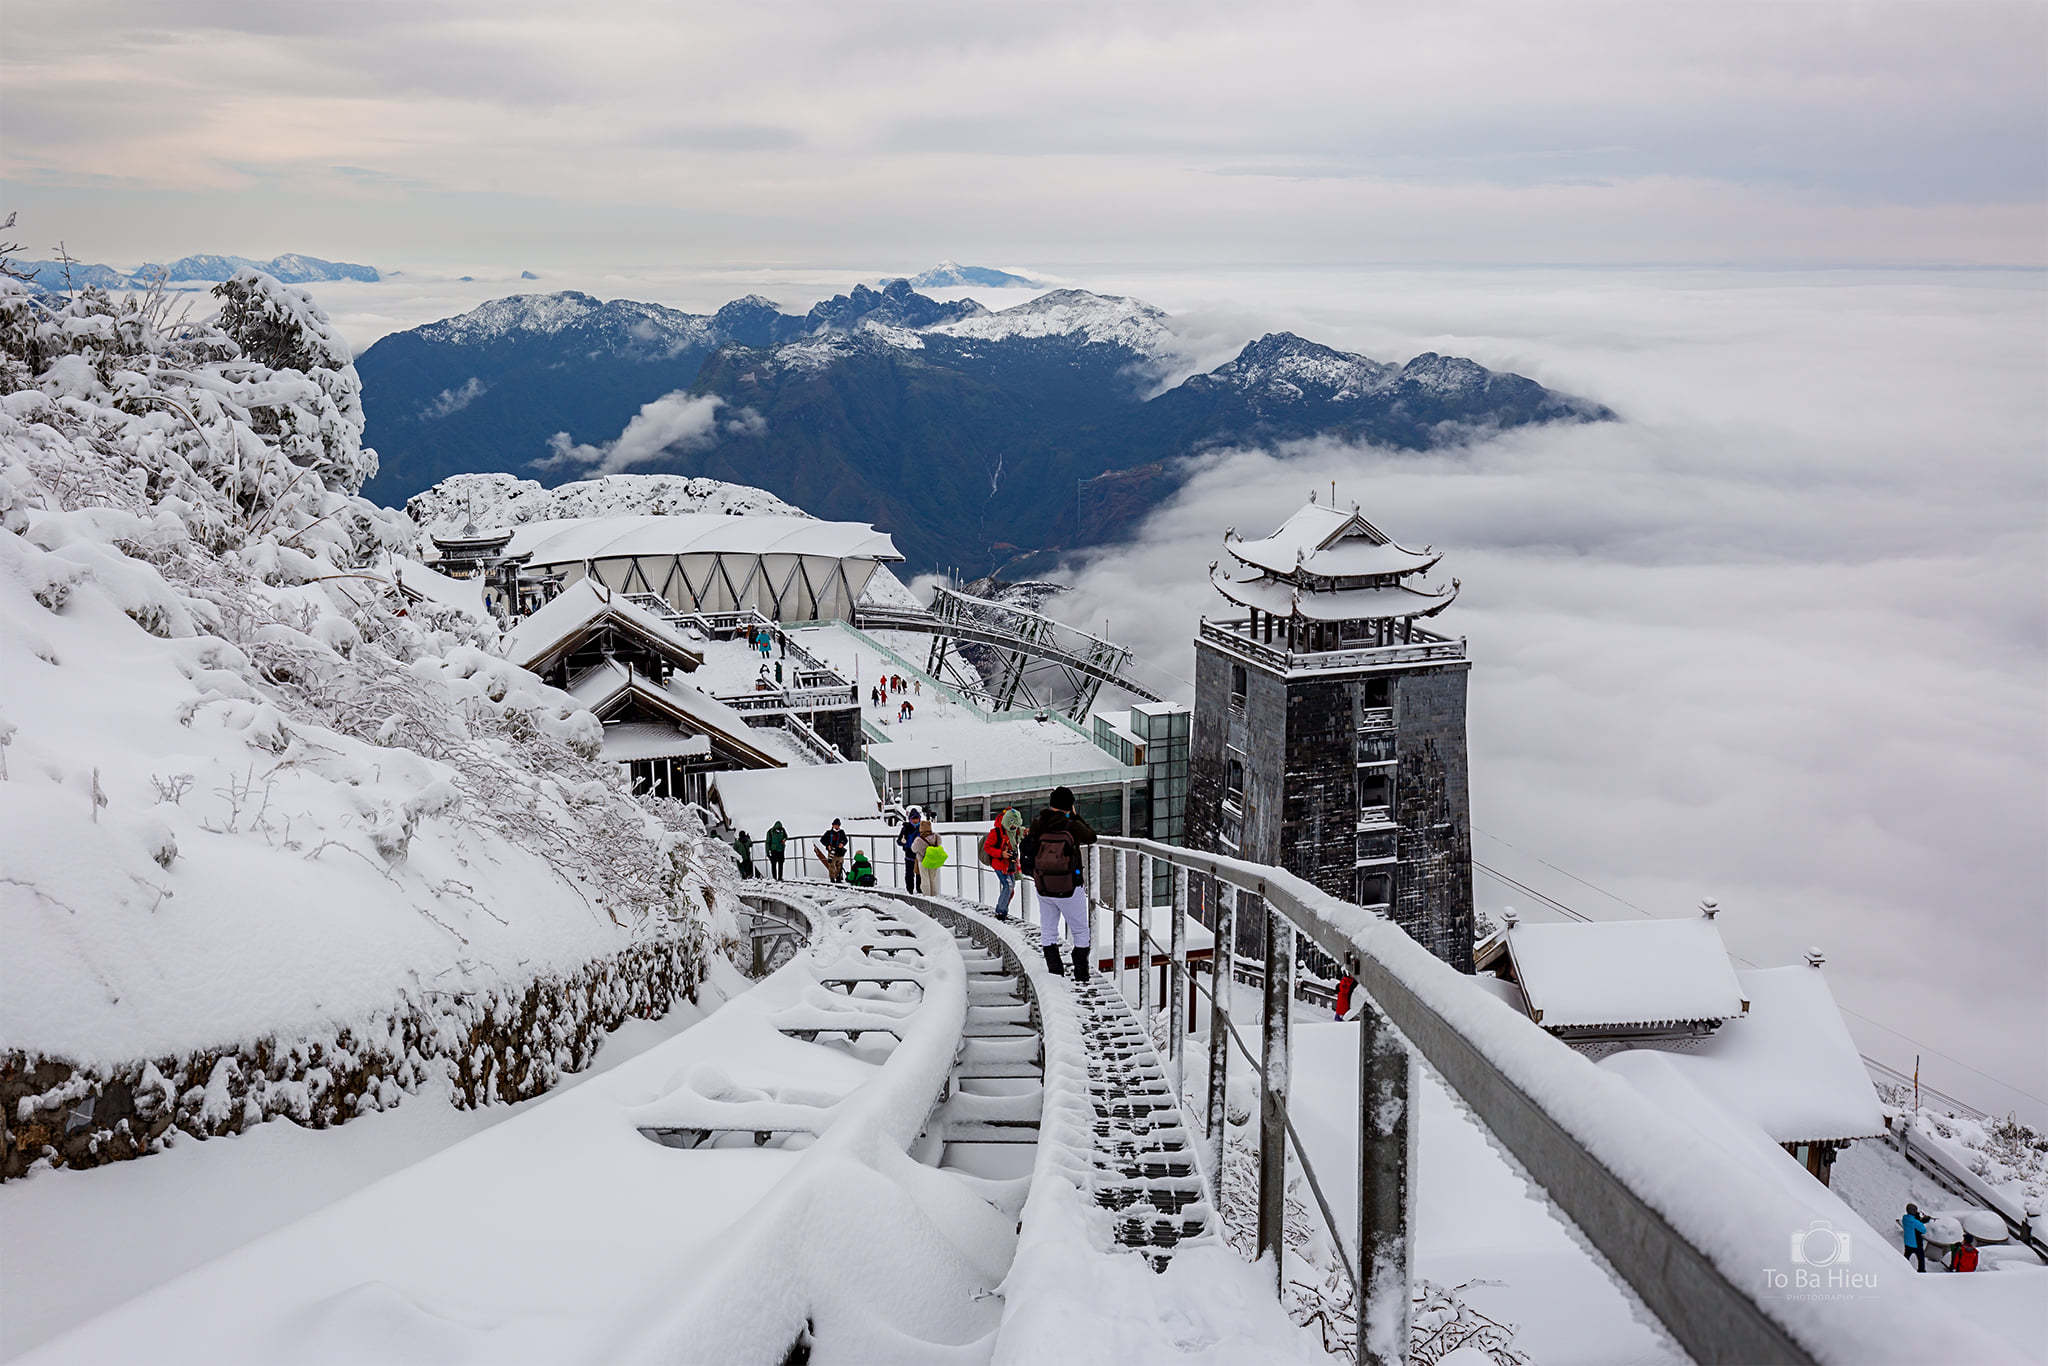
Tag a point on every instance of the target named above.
point(1346, 985)
point(999, 851)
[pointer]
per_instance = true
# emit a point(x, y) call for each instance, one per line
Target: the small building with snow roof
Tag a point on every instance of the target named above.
point(1614, 983)
point(629, 667)
point(1767, 1046)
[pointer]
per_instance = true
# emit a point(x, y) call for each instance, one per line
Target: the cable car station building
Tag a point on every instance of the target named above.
point(1329, 724)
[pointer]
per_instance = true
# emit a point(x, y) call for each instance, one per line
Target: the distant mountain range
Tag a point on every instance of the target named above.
point(291, 268)
point(986, 441)
point(953, 275)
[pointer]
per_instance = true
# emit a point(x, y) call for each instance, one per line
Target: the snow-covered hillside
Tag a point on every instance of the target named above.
point(505, 500)
point(274, 840)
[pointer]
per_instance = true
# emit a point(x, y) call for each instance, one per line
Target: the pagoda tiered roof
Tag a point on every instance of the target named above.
point(1284, 599)
point(1327, 564)
point(1329, 543)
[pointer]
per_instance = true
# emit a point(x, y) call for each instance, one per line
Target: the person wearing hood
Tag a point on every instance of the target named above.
point(999, 852)
point(777, 844)
point(1051, 855)
point(862, 874)
point(832, 851)
point(931, 856)
point(906, 836)
point(744, 845)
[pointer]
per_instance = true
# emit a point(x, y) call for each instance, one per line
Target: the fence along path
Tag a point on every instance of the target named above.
point(1684, 1226)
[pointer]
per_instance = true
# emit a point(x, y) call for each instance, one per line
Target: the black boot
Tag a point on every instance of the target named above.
point(1052, 960)
point(1080, 965)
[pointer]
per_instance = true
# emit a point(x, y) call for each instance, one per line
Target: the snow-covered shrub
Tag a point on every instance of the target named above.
point(203, 635)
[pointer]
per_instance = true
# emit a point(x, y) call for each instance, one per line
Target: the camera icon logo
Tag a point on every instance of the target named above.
point(1820, 1243)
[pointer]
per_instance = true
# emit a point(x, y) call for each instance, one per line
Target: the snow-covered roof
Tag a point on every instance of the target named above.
point(1012, 750)
point(806, 800)
point(572, 540)
point(1790, 1064)
point(625, 741)
point(1625, 973)
point(1330, 543)
point(1337, 604)
point(599, 687)
point(582, 604)
point(422, 583)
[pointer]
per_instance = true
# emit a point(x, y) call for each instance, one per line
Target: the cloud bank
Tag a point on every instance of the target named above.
point(674, 424)
point(1497, 132)
point(1780, 637)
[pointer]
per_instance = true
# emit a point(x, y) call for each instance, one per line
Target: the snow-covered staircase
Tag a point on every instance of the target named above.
point(1144, 1158)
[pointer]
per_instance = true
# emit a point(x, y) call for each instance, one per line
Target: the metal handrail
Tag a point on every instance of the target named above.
point(1709, 1315)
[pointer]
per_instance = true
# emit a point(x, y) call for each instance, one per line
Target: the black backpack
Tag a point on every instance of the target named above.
point(1056, 864)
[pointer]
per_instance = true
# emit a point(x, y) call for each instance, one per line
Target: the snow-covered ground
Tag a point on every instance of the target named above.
point(140, 1224)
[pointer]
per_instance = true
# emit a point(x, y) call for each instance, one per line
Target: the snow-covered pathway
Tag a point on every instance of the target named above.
point(568, 1234)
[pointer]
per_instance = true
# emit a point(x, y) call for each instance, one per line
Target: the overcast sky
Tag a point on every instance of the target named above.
point(554, 135)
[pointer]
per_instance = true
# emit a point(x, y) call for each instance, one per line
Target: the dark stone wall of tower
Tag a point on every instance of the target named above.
point(1319, 830)
point(1208, 732)
point(1432, 811)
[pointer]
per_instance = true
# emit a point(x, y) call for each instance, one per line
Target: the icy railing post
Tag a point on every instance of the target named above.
point(1385, 1256)
point(1274, 1028)
point(1177, 983)
point(1219, 1034)
point(1094, 892)
point(1145, 941)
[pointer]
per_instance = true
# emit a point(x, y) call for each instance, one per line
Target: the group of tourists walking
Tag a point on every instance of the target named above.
point(1048, 852)
point(899, 687)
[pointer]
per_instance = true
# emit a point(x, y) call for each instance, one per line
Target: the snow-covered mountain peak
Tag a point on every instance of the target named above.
point(1444, 374)
point(1105, 319)
point(548, 314)
point(1288, 365)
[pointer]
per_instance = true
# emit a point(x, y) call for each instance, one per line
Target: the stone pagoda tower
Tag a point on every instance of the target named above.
point(1329, 725)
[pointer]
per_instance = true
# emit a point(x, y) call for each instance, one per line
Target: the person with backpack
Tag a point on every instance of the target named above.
point(931, 856)
point(999, 851)
point(862, 874)
point(744, 845)
point(1964, 1258)
point(906, 836)
point(1051, 855)
point(832, 852)
point(777, 842)
point(1346, 985)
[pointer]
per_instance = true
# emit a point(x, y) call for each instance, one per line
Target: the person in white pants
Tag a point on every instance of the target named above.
point(1051, 855)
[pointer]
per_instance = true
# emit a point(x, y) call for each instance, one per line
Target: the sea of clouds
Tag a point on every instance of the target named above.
point(1779, 636)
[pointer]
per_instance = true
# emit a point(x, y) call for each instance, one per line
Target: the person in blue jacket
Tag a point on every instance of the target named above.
point(1913, 1227)
point(906, 836)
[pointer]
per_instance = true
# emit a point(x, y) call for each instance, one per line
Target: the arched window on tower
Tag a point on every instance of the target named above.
point(1233, 782)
